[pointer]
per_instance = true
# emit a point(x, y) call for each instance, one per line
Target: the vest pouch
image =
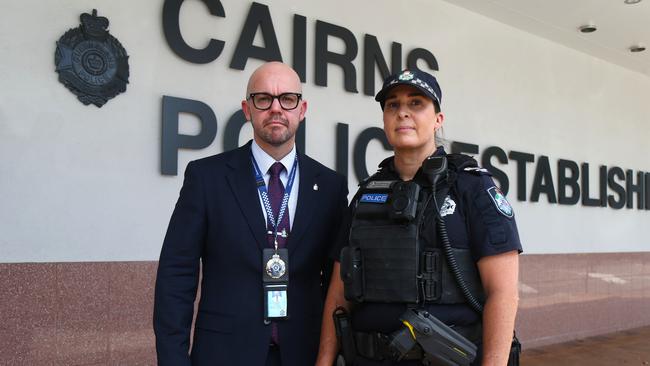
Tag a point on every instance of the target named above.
point(451, 293)
point(351, 274)
point(390, 262)
point(431, 263)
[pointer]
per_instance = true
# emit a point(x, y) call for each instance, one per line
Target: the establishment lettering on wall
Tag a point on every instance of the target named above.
point(615, 188)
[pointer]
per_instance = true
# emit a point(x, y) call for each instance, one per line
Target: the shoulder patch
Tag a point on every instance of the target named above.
point(448, 207)
point(500, 201)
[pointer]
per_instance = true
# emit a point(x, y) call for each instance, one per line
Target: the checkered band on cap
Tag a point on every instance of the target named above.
point(426, 82)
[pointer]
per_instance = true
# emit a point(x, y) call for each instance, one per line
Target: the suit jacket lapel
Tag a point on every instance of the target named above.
point(242, 184)
point(307, 201)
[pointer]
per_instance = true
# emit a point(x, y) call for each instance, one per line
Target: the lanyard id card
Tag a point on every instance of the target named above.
point(275, 282)
point(275, 261)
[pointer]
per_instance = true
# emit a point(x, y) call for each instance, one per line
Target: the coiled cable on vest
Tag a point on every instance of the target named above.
point(453, 266)
point(449, 255)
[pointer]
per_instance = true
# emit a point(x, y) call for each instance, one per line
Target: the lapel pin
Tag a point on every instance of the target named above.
point(315, 187)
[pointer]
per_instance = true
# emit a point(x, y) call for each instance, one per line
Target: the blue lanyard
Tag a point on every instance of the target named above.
point(261, 187)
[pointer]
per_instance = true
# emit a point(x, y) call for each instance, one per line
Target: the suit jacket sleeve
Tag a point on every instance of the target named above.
point(178, 272)
point(341, 219)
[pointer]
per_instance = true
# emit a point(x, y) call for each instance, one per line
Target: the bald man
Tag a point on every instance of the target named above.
point(260, 220)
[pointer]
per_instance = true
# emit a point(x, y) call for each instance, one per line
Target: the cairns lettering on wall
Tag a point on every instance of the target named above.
point(259, 20)
point(616, 188)
point(91, 63)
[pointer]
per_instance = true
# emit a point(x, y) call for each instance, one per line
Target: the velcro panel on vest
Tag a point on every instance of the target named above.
point(390, 256)
point(451, 292)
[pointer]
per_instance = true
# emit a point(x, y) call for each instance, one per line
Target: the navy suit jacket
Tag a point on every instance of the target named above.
point(218, 223)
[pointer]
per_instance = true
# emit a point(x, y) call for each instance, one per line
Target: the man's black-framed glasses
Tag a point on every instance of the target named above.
point(263, 101)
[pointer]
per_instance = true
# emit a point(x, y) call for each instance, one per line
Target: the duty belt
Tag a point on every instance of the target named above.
point(375, 346)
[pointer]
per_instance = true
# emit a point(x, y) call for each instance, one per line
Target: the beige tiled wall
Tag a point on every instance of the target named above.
point(101, 313)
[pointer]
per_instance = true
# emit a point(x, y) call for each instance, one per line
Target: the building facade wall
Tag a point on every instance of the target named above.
point(85, 203)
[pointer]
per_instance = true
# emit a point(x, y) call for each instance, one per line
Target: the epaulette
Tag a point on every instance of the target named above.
point(458, 162)
point(476, 170)
point(383, 165)
point(465, 163)
point(369, 178)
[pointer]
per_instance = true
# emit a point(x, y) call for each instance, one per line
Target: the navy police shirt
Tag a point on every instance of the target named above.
point(477, 216)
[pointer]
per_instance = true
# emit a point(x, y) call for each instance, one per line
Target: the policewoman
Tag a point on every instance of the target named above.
point(428, 265)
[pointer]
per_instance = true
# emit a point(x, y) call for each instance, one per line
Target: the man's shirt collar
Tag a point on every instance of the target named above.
point(264, 160)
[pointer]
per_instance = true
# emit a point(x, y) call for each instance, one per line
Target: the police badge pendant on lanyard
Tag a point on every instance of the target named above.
point(275, 261)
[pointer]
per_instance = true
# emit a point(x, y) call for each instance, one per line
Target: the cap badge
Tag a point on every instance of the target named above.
point(406, 76)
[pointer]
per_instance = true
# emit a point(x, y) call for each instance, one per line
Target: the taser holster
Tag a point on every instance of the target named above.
point(441, 344)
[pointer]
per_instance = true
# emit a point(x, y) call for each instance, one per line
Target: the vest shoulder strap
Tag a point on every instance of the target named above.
point(458, 162)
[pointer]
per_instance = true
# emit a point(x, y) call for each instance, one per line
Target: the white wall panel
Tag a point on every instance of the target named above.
point(80, 183)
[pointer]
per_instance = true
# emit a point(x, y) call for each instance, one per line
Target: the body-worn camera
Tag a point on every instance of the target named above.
point(404, 201)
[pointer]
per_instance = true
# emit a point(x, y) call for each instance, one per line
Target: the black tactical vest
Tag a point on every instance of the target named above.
point(387, 260)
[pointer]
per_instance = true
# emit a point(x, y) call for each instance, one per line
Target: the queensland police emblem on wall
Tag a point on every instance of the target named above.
point(92, 63)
